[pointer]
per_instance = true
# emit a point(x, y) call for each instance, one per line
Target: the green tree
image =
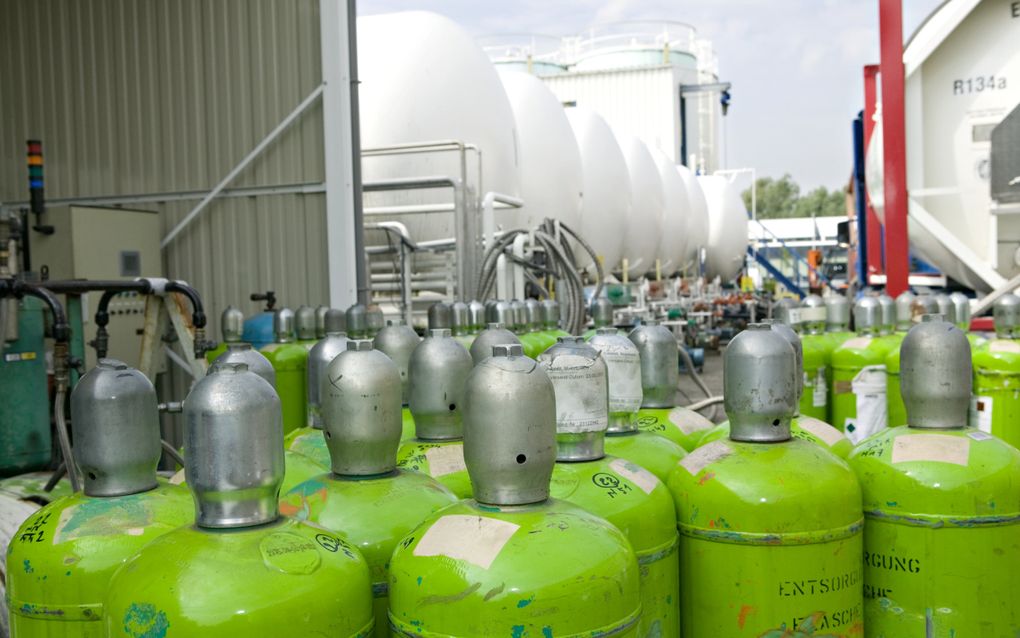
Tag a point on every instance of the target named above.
point(779, 198)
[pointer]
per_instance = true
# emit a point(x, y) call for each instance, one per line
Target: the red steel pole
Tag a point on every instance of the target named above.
point(894, 142)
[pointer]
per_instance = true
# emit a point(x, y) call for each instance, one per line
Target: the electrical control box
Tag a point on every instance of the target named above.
point(103, 243)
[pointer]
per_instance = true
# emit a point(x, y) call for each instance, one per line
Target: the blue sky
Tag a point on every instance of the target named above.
point(795, 65)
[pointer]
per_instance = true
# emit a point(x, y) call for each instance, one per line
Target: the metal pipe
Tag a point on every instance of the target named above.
point(360, 266)
point(254, 153)
point(172, 452)
point(705, 403)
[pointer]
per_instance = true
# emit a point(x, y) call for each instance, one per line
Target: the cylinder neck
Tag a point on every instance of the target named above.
point(660, 372)
point(361, 411)
point(460, 318)
point(551, 314)
point(580, 382)
point(233, 448)
point(116, 418)
point(1006, 313)
point(283, 325)
point(509, 429)
point(759, 377)
point(357, 321)
point(304, 321)
point(232, 325)
point(440, 315)
point(602, 312)
point(438, 370)
point(936, 375)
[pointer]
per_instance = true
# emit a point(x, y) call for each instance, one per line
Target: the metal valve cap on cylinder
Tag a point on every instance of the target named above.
point(358, 387)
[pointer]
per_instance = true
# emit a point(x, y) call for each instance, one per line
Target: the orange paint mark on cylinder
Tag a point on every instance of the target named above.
point(745, 611)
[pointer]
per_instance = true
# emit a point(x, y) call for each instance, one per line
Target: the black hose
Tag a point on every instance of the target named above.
point(61, 331)
point(197, 312)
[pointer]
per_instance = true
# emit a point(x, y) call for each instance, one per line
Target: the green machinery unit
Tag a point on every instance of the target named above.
point(942, 508)
point(25, 439)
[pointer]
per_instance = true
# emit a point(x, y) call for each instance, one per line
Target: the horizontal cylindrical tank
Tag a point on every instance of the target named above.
point(727, 228)
point(960, 68)
point(697, 221)
point(550, 162)
point(423, 79)
point(673, 241)
point(606, 185)
point(641, 239)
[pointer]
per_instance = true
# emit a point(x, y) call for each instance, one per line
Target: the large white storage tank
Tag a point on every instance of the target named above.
point(641, 239)
point(550, 163)
point(961, 80)
point(727, 228)
point(607, 197)
point(676, 206)
point(697, 220)
point(424, 79)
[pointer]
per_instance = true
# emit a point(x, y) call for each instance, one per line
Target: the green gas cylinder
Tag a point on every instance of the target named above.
point(942, 508)
point(656, 454)
point(660, 374)
point(817, 349)
point(513, 562)
point(801, 427)
point(365, 498)
point(289, 360)
point(438, 369)
point(231, 327)
point(627, 495)
point(858, 375)
point(241, 569)
point(309, 440)
point(995, 406)
point(770, 526)
point(60, 561)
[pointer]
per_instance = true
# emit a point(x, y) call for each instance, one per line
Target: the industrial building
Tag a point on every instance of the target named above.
point(327, 323)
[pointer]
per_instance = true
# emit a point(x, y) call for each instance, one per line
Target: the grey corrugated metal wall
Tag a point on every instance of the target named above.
point(145, 96)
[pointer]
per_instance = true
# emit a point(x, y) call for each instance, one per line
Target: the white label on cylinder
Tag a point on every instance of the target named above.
point(623, 366)
point(704, 456)
point(820, 429)
point(857, 343)
point(819, 389)
point(177, 478)
point(581, 403)
point(636, 474)
point(869, 394)
point(446, 459)
point(814, 314)
point(943, 448)
point(475, 539)
point(689, 421)
point(981, 413)
point(1004, 345)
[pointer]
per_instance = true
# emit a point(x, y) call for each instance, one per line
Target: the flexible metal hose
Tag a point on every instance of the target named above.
point(65, 439)
point(689, 364)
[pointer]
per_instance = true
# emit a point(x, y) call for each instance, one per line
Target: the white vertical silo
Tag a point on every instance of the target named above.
point(607, 195)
